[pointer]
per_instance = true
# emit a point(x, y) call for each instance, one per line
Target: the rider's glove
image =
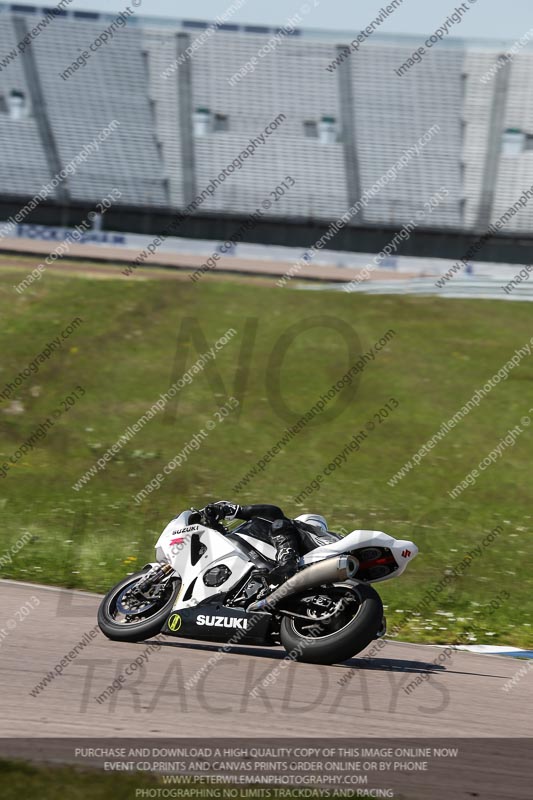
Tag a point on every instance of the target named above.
point(227, 510)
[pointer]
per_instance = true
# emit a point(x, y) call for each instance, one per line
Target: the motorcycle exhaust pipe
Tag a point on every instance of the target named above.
point(331, 570)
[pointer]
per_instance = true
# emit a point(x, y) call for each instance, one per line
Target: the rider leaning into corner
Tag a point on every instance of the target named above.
point(287, 535)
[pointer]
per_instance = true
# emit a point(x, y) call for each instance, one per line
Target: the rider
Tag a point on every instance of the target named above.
point(284, 533)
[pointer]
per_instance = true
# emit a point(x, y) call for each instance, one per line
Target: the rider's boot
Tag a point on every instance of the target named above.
point(285, 539)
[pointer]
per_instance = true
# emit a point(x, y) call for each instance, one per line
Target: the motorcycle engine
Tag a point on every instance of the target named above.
point(217, 575)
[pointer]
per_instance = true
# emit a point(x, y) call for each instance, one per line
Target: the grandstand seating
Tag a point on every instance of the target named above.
point(293, 82)
point(516, 171)
point(156, 158)
point(391, 114)
point(23, 166)
point(113, 85)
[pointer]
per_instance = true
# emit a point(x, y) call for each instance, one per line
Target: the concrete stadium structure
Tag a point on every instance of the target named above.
point(186, 111)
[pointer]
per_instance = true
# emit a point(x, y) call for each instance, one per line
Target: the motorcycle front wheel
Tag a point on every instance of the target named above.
point(123, 617)
point(341, 636)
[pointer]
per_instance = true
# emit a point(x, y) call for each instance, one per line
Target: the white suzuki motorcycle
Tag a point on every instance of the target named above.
point(210, 583)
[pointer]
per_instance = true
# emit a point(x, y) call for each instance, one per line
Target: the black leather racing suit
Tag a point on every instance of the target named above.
point(283, 533)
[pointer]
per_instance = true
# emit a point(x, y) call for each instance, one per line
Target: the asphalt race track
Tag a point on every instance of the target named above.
point(462, 697)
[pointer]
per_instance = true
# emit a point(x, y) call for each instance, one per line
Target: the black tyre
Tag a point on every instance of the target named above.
point(142, 622)
point(349, 632)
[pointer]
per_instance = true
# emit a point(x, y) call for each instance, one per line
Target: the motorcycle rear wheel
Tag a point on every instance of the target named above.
point(349, 632)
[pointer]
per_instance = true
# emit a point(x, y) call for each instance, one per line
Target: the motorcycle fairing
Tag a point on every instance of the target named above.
point(219, 623)
point(402, 550)
point(192, 551)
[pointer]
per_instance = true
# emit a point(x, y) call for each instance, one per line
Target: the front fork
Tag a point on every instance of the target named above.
point(156, 575)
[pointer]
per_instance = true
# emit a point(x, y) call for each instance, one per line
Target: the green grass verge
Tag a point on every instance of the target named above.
point(127, 352)
point(20, 780)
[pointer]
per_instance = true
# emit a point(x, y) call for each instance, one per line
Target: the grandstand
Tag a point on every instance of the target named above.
point(182, 123)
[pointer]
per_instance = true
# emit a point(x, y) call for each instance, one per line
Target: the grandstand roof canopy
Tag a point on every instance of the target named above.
point(190, 25)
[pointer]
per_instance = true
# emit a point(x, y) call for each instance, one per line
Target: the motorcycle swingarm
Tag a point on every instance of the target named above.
point(323, 618)
point(305, 616)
